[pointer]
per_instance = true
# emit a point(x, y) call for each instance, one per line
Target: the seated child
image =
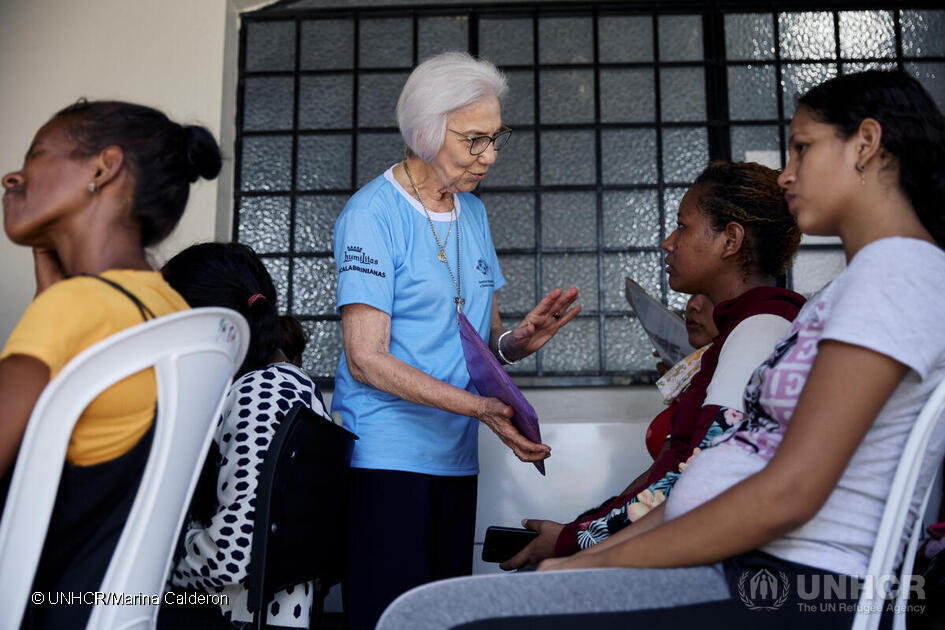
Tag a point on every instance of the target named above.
point(218, 538)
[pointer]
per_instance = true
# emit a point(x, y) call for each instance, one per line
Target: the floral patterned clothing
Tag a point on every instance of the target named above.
point(748, 325)
point(593, 531)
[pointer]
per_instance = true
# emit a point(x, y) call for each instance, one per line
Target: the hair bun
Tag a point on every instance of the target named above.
point(202, 151)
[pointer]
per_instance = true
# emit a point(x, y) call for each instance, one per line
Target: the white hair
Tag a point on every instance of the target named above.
point(437, 87)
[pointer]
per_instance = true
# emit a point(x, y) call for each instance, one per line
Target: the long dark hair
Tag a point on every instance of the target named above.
point(231, 275)
point(164, 157)
point(748, 194)
point(913, 131)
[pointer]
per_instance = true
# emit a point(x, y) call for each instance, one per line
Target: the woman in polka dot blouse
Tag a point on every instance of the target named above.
point(219, 535)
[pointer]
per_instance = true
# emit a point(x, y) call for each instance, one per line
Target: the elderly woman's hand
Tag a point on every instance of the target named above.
point(496, 415)
point(541, 324)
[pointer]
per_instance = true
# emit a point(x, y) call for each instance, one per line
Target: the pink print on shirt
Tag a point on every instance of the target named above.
point(775, 387)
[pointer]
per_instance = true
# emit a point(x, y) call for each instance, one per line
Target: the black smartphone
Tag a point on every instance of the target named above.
point(504, 542)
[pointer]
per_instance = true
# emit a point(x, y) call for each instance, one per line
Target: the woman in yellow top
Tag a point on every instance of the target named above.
point(101, 182)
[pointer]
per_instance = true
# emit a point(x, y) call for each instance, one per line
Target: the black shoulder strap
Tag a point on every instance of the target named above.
point(146, 313)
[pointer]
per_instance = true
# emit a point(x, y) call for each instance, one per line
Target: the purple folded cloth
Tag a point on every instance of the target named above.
point(491, 380)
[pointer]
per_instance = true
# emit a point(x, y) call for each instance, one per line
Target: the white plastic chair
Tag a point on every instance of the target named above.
point(872, 598)
point(194, 354)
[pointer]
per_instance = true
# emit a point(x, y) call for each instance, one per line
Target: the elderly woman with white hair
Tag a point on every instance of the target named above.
point(412, 248)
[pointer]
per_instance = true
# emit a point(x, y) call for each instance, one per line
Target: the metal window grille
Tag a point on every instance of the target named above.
point(615, 109)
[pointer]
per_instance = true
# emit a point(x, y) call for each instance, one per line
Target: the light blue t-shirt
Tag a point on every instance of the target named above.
point(386, 257)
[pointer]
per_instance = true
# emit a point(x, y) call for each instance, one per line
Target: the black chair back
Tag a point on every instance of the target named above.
point(301, 509)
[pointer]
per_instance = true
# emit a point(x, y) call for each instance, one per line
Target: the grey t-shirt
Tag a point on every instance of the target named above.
point(890, 299)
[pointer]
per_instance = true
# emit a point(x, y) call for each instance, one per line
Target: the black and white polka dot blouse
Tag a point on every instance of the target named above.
point(216, 558)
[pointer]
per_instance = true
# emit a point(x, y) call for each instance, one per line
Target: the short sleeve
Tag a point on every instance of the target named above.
point(889, 300)
point(364, 258)
point(746, 347)
point(62, 321)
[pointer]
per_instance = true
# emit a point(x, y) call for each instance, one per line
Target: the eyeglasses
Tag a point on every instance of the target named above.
point(479, 144)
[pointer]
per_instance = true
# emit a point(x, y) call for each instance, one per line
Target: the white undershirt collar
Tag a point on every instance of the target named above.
point(436, 216)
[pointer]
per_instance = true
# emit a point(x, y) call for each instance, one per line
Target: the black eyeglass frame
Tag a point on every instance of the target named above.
point(505, 132)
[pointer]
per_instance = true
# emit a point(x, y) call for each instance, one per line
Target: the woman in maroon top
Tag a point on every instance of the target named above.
point(734, 238)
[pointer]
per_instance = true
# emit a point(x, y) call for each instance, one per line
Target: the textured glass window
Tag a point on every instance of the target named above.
point(516, 165)
point(315, 217)
point(567, 157)
point(631, 156)
point(567, 96)
point(923, 33)
point(267, 163)
point(681, 38)
point(566, 40)
point(443, 34)
point(519, 105)
point(324, 347)
point(506, 41)
point(575, 348)
point(268, 103)
point(644, 267)
point(518, 294)
point(614, 111)
point(867, 34)
point(625, 39)
point(511, 219)
point(313, 282)
point(631, 219)
point(386, 42)
point(325, 102)
point(377, 152)
point(752, 92)
point(682, 94)
point(749, 143)
point(568, 219)
point(571, 270)
point(627, 95)
point(749, 36)
point(270, 46)
point(377, 98)
point(327, 45)
point(264, 224)
point(851, 67)
point(932, 77)
point(797, 78)
point(685, 153)
point(628, 348)
point(807, 35)
point(278, 268)
point(324, 162)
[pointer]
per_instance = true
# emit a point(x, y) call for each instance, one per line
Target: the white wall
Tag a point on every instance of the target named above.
point(168, 54)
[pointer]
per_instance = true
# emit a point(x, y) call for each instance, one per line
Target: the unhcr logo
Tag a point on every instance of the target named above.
point(762, 590)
